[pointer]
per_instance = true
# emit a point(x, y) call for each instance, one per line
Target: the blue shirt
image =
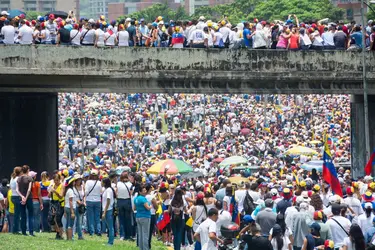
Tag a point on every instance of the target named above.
point(248, 42)
point(357, 36)
point(142, 212)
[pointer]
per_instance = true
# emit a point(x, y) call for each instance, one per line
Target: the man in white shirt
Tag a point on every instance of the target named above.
point(124, 194)
point(25, 34)
point(339, 225)
point(7, 32)
point(206, 232)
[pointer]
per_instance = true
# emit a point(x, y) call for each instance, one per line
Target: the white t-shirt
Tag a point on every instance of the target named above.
point(218, 37)
point(13, 186)
point(47, 35)
point(204, 230)
point(100, 36)
point(197, 36)
point(286, 241)
point(1, 196)
point(96, 191)
point(109, 39)
point(70, 194)
point(26, 35)
point(364, 222)
point(123, 38)
point(149, 198)
point(75, 35)
point(349, 245)
point(108, 193)
point(224, 219)
point(240, 195)
point(338, 234)
point(122, 191)
point(8, 33)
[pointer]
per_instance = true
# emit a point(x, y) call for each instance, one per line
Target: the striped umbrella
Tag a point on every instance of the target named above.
point(170, 166)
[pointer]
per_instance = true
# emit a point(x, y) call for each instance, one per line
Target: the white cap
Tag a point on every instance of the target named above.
point(128, 19)
point(91, 21)
point(201, 18)
point(5, 13)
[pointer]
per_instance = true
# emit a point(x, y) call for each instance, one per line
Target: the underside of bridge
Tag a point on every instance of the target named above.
point(29, 123)
point(28, 132)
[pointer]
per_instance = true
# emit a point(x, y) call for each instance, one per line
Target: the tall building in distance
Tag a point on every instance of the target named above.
point(352, 9)
point(40, 5)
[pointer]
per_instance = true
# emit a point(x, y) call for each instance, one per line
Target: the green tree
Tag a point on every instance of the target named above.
point(304, 9)
point(33, 15)
point(159, 9)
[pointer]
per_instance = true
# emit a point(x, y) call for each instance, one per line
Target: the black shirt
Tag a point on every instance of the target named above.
point(259, 242)
point(64, 35)
point(340, 39)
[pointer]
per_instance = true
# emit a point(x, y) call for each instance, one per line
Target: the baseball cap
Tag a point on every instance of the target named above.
point(5, 13)
point(248, 219)
point(315, 226)
point(318, 215)
point(32, 174)
point(349, 190)
point(51, 16)
point(94, 172)
point(276, 228)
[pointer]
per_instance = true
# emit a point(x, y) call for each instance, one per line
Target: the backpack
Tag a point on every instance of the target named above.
point(227, 42)
point(248, 204)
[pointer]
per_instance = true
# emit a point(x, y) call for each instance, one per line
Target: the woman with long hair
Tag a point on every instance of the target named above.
point(209, 199)
point(143, 218)
point(355, 240)
point(56, 193)
point(154, 206)
point(365, 219)
point(278, 239)
point(177, 209)
point(24, 184)
point(69, 208)
point(15, 199)
point(44, 184)
point(79, 194)
point(199, 214)
point(285, 231)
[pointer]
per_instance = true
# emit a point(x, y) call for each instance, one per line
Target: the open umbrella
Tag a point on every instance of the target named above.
point(57, 14)
point(299, 150)
point(238, 180)
point(233, 160)
point(318, 165)
point(245, 131)
point(170, 166)
point(14, 13)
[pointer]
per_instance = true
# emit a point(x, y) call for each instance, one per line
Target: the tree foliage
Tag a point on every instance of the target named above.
point(33, 15)
point(159, 9)
point(245, 10)
point(304, 9)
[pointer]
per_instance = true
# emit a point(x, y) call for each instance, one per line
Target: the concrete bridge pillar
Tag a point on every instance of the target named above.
point(358, 144)
point(28, 132)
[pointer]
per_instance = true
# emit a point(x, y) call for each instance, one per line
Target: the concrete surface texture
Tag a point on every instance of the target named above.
point(57, 69)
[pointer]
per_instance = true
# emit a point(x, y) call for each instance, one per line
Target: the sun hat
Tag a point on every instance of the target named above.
point(367, 197)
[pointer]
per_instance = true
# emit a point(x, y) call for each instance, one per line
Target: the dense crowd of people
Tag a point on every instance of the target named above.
point(257, 34)
point(107, 142)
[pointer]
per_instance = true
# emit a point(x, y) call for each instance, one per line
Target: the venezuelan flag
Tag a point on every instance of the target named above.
point(233, 209)
point(370, 163)
point(329, 171)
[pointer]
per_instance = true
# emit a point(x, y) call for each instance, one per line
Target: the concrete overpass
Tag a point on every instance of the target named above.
point(59, 69)
point(31, 77)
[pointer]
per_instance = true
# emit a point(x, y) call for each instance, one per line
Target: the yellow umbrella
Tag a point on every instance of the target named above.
point(300, 150)
point(238, 180)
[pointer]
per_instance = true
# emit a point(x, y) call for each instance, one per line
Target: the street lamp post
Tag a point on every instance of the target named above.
point(365, 95)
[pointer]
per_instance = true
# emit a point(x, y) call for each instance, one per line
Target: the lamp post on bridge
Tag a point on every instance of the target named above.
point(365, 95)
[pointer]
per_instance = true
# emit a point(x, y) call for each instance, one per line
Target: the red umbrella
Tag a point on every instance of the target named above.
point(245, 131)
point(218, 159)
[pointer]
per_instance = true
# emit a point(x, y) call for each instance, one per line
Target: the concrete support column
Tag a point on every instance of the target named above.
point(358, 147)
point(28, 132)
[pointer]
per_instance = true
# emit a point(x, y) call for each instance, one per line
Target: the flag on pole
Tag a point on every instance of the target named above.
point(370, 163)
point(329, 171)
point(233, 209)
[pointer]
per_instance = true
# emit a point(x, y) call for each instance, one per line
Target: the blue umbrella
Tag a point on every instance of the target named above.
point(14, 13)
point(317, 164)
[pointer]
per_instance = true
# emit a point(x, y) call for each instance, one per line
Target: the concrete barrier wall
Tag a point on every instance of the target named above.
point(51, 68)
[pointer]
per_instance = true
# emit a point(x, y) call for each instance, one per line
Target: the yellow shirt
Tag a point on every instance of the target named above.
point(56, 198)
point(11, 205)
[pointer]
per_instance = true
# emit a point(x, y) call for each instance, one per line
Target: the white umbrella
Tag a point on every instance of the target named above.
point(318, 165)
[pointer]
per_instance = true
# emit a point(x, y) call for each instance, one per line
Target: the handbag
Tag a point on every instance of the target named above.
point(81, 207)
